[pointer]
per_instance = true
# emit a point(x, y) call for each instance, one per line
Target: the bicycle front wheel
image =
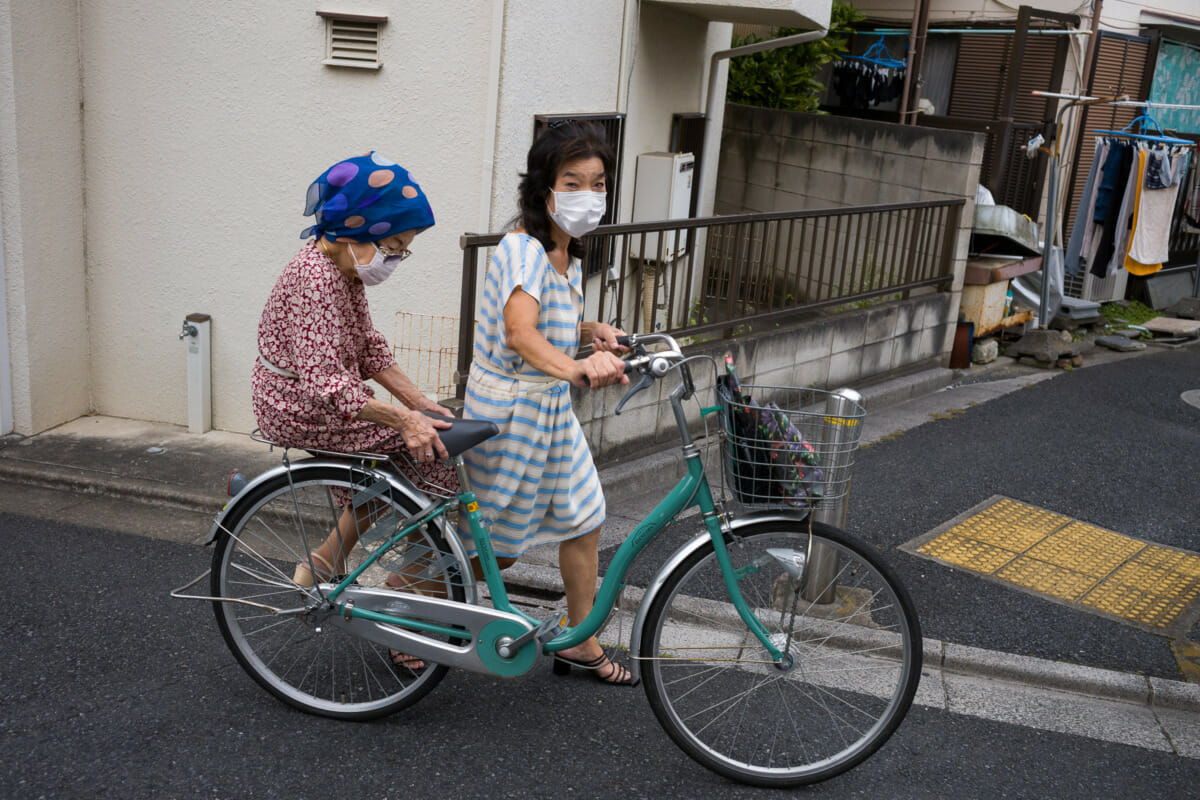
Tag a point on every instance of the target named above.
point(275, 626)
point(847, 625)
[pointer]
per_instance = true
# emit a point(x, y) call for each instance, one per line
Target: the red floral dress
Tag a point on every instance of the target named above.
point(317, 327)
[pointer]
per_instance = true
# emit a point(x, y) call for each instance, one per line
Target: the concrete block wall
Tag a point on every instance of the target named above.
point(852, 348)
point(774, 160)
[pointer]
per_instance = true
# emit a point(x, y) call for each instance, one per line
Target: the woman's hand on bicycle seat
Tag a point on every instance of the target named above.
point(600, 369)
point(420, 435)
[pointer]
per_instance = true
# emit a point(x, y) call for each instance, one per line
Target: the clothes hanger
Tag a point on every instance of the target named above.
point(1143, 120)
point(878, 55)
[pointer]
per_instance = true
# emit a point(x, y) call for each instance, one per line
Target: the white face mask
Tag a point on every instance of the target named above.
point(578, 213)
point(380, 268)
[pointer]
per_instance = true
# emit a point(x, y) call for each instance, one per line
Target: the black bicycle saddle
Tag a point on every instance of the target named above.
point(463, 434)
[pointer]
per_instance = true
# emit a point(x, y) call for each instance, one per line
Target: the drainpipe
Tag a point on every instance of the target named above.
point(910, 96)
point(1093, 43)
point(706, 173)
point(491, 116)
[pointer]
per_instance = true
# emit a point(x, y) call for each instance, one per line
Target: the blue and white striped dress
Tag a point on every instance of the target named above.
point(536, 482)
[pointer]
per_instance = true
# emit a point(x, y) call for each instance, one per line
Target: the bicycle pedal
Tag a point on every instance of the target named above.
point(549, 630)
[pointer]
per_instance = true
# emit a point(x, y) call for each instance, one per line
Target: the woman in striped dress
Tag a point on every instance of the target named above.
point(536, 481)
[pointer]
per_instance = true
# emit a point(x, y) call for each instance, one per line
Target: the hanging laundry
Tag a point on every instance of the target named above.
point(1085, 212)
point(1091, 229)
point(1191, 201)
point(1108, 205)
point(1154, 206)
point(860, 84)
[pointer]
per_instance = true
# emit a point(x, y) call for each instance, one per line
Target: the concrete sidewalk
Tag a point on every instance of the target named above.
point(98, 471)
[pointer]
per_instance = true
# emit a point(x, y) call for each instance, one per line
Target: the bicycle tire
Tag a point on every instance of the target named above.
point(856, 660)
point(317, 668)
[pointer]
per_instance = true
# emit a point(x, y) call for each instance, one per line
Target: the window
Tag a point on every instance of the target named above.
point(352, 40)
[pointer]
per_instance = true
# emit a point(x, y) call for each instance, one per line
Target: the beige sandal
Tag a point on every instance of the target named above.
point(303, 576)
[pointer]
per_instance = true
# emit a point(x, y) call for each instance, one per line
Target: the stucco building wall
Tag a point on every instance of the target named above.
point(155, 164)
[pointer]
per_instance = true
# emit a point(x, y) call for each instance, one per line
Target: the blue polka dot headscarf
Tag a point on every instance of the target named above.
point(365, 199)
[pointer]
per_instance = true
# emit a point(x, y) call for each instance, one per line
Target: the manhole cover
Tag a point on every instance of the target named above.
point(1191, 397)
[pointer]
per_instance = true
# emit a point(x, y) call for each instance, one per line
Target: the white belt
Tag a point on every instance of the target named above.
point(523, 384)
point(278, 370)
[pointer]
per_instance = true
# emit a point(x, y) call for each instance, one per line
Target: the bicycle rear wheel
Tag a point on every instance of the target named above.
point(274, 625)
point(853, 638)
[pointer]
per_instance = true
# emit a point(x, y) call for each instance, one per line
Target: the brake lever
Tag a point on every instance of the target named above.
point(645, 382)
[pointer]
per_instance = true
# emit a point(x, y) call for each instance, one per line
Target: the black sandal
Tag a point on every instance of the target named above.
point(562, 666)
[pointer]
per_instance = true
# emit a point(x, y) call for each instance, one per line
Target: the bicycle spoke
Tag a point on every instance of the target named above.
point(854, 663)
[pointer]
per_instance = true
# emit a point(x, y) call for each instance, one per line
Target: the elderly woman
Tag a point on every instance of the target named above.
point(317, 346)
point(536, 480)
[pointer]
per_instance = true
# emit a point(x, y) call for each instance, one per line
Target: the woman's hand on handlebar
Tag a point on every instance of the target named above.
point(604, 338)
point(600, 369)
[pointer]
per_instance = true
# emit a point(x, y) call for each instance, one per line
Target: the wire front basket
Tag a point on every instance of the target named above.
point(788, 447)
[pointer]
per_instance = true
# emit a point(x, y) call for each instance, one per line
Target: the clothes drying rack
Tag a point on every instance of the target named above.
point(1079, 101)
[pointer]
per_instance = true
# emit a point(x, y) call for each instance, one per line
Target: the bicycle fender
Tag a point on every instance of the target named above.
point(681, 555)
point(297, 470)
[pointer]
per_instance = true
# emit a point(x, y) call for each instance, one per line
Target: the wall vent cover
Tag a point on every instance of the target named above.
point(352, 40)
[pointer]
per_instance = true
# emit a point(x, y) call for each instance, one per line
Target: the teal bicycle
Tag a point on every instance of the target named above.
point(775, 649)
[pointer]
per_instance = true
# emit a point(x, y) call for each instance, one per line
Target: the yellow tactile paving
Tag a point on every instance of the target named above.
point(1047, 578)
point(1011, 525)
point(1085, 548)
point(1072, 561)
point(968, 553)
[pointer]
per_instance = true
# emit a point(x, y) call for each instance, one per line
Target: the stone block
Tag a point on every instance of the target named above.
point(906, 172)
point(1186, 308)
point(881, 324)
point(869, 164)
point(793, 178)
point(1163, 291)
point(909, 317)
point(845, 368)
point(908, 349)
point(1121, 344)
point(876, 358)
point(763, 172)
point(829, 158)
point(985, 351)
point(759, 198)
point(731, 196)
point(732, 165)
point(796, 153)
point(859, 191)
point(1043, 345)
point(849, 333)
point(813, 373)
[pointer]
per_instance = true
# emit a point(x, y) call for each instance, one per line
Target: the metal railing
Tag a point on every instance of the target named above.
point(718, 276)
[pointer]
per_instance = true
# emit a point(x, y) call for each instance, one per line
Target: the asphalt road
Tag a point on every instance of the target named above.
point(1112, 445)
point(110, 689)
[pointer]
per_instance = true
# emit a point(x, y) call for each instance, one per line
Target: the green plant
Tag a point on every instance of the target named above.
point(1133, 312)
point(787, 77)
point(1128, 314)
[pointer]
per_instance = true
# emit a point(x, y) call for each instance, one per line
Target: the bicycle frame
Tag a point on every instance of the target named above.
point(691, 490)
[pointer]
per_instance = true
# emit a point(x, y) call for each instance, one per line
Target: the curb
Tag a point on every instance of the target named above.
point(974, 662)
point(1061, 676)
point(31, 473)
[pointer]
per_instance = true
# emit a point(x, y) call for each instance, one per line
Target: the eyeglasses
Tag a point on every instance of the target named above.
point(398, 255)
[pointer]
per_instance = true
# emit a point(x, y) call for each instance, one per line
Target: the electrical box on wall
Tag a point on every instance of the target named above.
point(662, 190)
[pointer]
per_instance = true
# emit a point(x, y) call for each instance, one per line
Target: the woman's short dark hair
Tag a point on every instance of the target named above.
point(559, 144)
